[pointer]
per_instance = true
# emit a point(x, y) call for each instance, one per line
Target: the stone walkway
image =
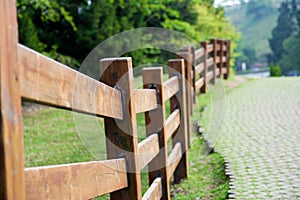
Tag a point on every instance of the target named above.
point(260, 139)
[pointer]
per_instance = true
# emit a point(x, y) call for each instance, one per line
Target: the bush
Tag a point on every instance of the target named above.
point(275, 70)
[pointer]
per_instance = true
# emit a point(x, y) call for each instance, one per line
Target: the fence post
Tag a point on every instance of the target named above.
point(221, 54)
point(12, 179)
point(179, 102)
point(187, 62)
point(227, 43)
point(205, 57)
point(214, 55)
point(155, 119)
point(121, 135)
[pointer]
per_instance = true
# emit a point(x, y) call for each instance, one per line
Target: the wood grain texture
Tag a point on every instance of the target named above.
point(174, 158)
point(227, 44)
point(46, 81)
point(121, 135)
point(155, 190)
point(172, 123)
point(145, 100)
point(188, 88)
point(171, 87)
point(199, 68)
point(199, 84)
point(182, 134)
point(210, 48)
point(76, 181)
point(214, 55)
point(12, 185)
point(199, 53)
point(205, 66)
point(209, 75)
point(147, 150)
point(155, 120)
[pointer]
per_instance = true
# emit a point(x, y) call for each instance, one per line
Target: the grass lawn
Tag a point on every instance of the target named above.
point(51, 137)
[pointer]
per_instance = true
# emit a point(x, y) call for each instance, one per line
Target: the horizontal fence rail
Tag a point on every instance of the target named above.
point(28, 74)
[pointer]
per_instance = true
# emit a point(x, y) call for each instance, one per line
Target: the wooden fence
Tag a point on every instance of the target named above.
point(30, 75)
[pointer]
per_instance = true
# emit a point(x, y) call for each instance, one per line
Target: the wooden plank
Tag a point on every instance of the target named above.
point(199, 53)
point(218, 47)
point(76, 181)
point(172, 123)
point(12, 185)
point(155, 120)
point(182, 134)
point(121, 135)
point(155, 190)
point(145, 100)
point(218, 60)
point(209, 75)
point(147, 150)
point(174, 158)
point(199, 83)
point(199, 68)
point(210, 48)
point(46, 81)
point(224, 70)
point(220, 65)
point(171, 87)
point(210, 62)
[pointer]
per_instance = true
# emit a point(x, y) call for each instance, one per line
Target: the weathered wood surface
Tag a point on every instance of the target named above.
point(188, 88)
point(172, 123)
point(145, 100)
point(174, 158)
point(11, 138)
point(147, 150)
point(182, 134)
point(199, 68)
point(210, 48)
point(170, 88)
point(46, 81)
point(199, 53)
point(121, 135)
point(155, 120)
point(199, 84)
point(155, 190)
point(76, 181)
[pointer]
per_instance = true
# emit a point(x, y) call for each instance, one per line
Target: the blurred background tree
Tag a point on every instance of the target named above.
point(67, 30)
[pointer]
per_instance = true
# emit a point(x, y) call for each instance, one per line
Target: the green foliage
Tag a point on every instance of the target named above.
point(275, 70)
point(73, 28)
point(286, 37)
point(282, 31)
point(255, 20)
point(291, 60)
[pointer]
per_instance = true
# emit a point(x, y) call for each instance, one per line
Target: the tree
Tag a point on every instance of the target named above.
point(282, 31)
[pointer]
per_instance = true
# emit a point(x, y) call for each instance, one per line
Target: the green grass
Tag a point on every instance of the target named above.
point(51, 137)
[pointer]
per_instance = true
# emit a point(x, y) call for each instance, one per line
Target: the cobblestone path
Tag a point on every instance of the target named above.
point(260, 139)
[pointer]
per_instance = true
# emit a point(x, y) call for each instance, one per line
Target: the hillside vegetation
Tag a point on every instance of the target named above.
point(255, 20)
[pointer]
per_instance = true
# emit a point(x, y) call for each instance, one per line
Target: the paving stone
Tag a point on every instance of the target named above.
point(260, 139)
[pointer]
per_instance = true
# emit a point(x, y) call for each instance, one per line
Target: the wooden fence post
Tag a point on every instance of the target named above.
point(205, 57)
point(221, 54)
point(121, 135)
point(227, 43)
point(179, 102)
point(155, 120)
point(214, 56)
point(187, 62)
point(11, 138)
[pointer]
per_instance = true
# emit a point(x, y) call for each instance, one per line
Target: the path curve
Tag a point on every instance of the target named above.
point(260, 140)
